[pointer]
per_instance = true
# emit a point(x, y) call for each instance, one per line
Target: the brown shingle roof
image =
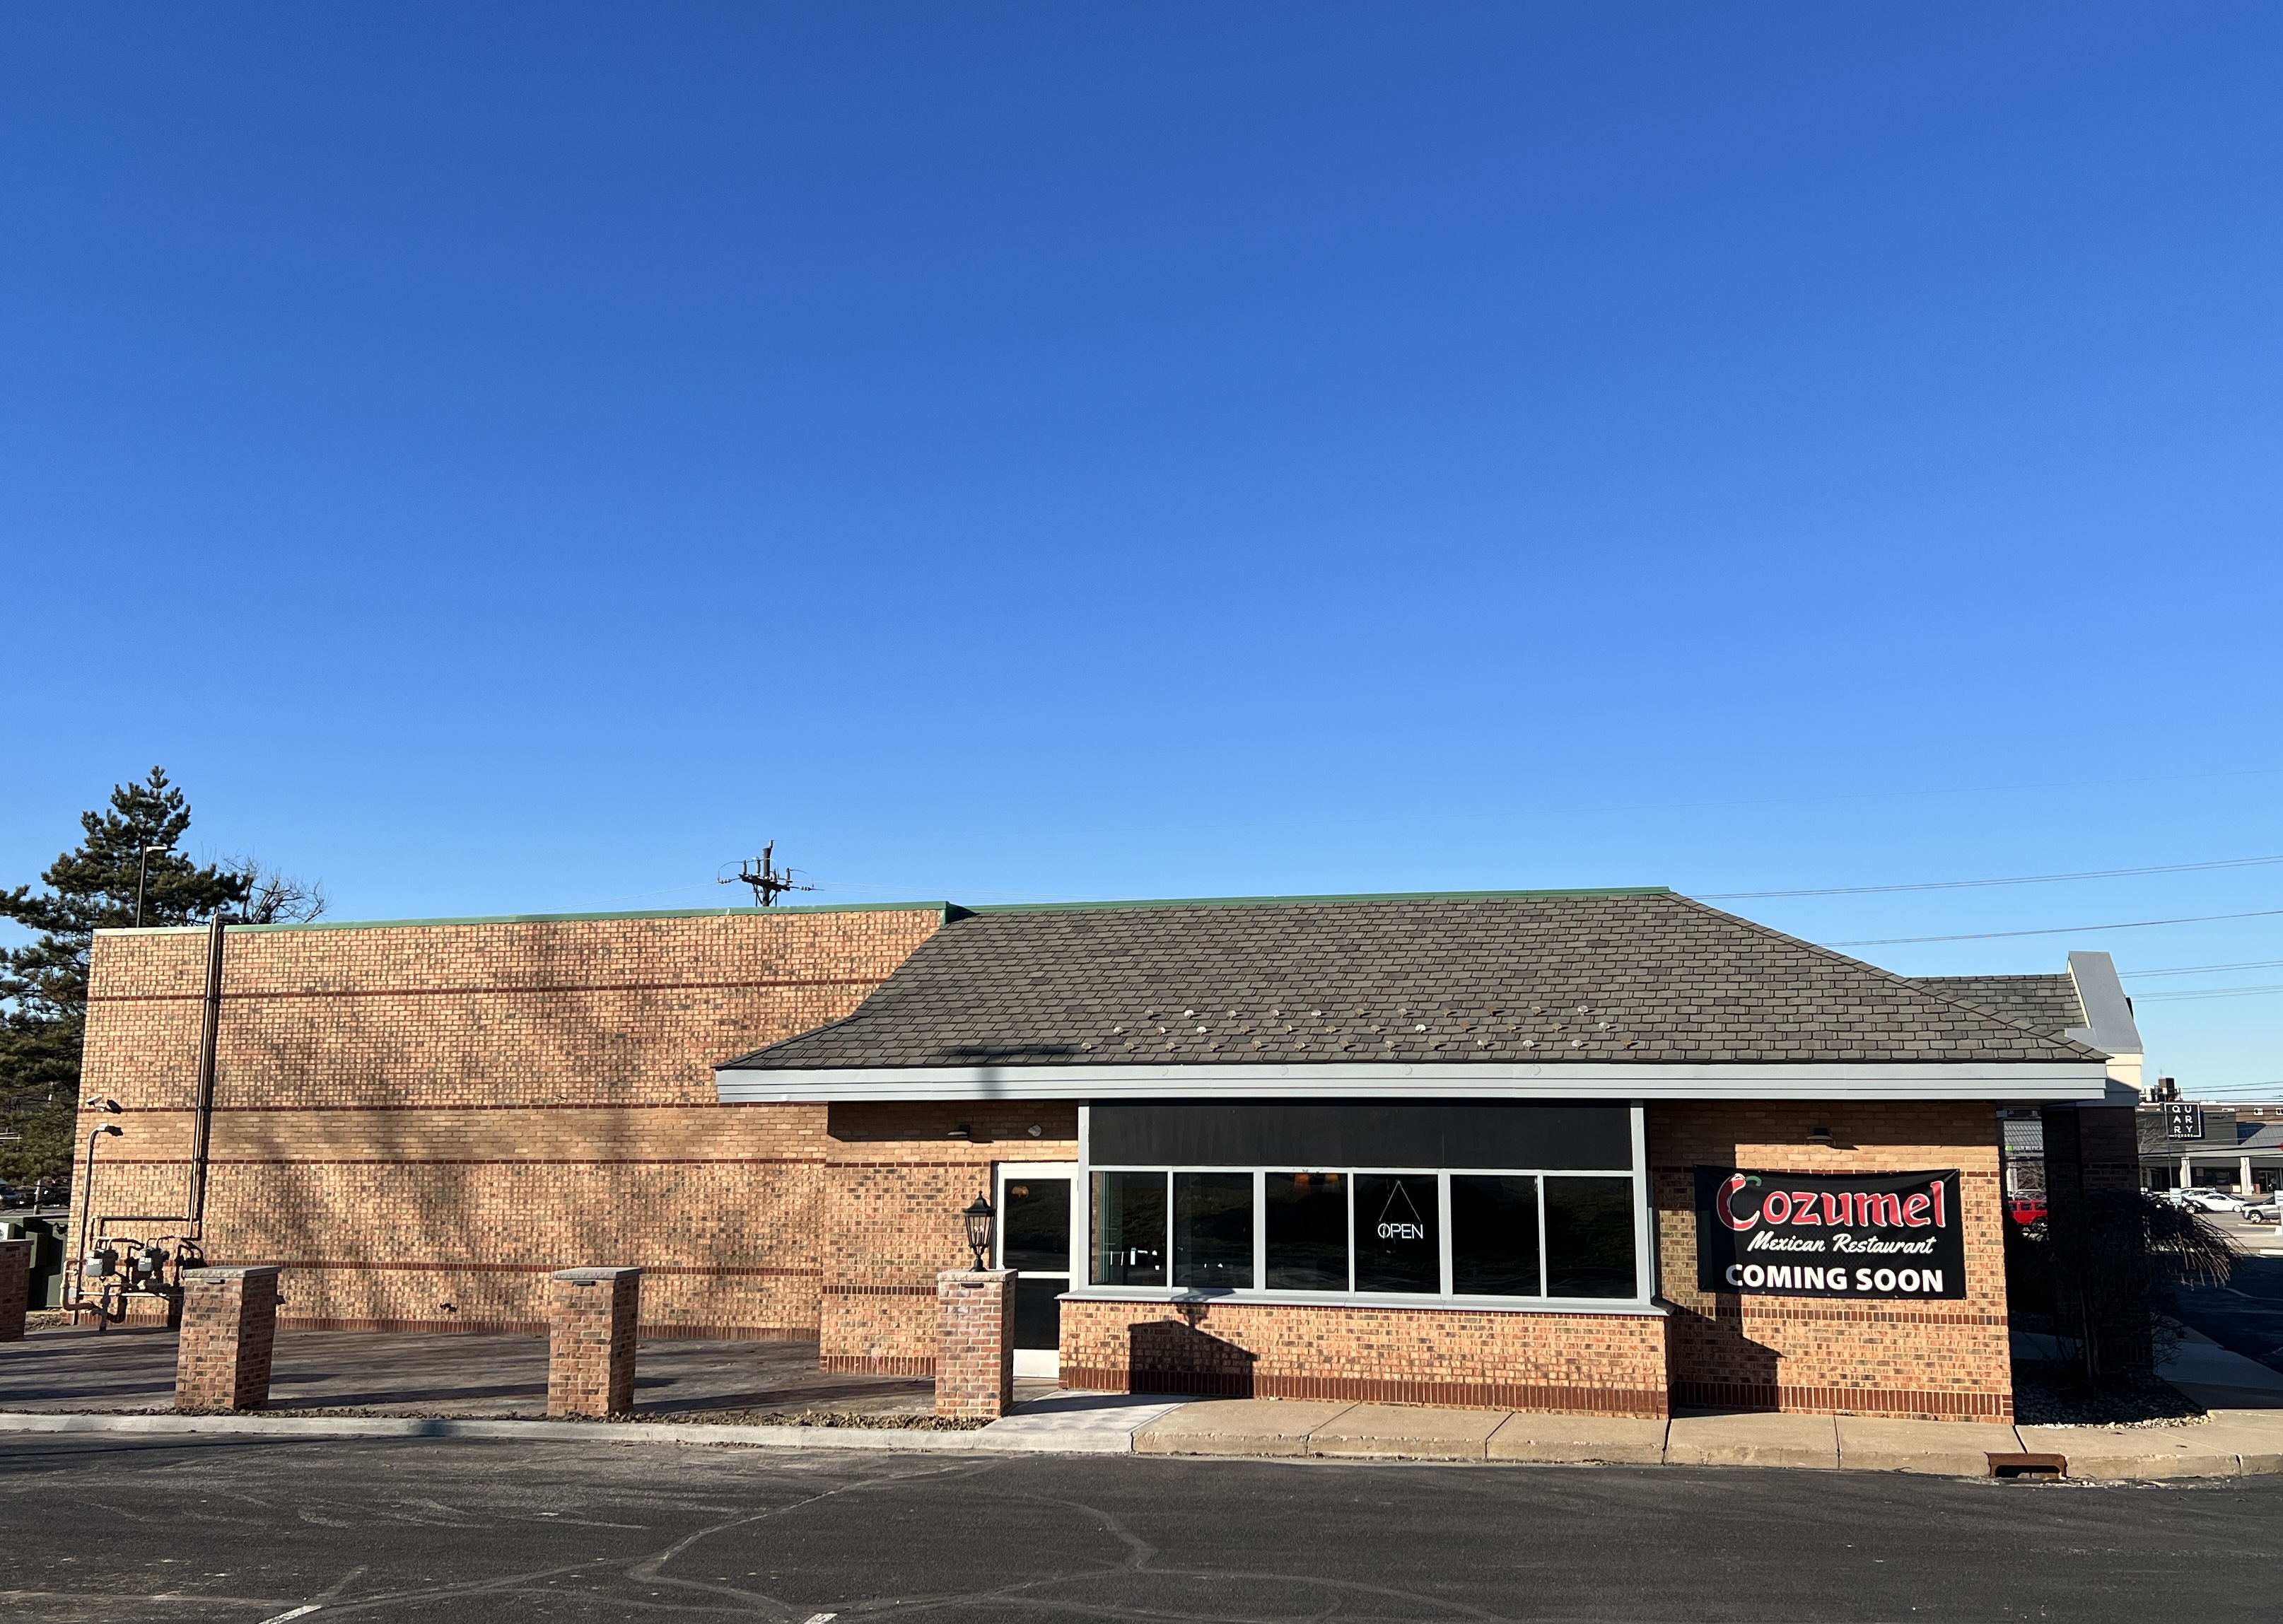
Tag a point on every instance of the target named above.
point(1633, 978)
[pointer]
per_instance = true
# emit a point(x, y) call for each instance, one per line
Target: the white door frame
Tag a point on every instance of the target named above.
point(1035, 1361)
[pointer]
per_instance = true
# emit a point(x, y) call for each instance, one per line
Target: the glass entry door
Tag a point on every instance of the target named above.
point(1034, 1236)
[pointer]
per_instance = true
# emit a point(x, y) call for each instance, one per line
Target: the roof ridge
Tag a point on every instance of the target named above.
point(1896, 976)
point(1355, 896)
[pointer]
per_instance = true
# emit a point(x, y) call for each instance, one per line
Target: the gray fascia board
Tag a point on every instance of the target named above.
point(2033, 1082)
point(2111, 1028)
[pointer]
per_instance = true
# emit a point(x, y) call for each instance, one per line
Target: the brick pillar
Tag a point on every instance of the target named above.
point(230, 1329)
point(975, 1342)
point(591, 1316)
point(15, 1287)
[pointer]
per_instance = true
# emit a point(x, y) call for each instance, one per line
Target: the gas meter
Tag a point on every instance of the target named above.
point(102, 1261)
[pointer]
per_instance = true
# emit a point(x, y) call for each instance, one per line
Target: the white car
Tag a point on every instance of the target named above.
point(2211, 1201)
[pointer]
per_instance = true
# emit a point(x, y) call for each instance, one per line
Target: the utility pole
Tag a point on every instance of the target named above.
point(768, 882)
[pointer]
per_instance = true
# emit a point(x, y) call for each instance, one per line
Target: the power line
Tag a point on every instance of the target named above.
point(2249, 963)
point(2021, 879)
point(2056, 930)
point(2206, 992)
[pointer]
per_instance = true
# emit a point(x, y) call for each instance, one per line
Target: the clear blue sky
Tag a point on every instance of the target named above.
point(517, 458)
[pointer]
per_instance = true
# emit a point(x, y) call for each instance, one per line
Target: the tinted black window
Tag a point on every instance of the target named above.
point(1589, 1237)
point(1212, 1229)
point(1307, 1217)
point(1494, 1235)
point(1397, 1245)
point(1521, 1135)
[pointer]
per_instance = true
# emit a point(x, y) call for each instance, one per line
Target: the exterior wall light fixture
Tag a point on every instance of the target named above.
point(979, 1219)
point(1820, 1136)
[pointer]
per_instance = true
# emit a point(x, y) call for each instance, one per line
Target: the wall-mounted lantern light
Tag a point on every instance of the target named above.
point(1820, 1135)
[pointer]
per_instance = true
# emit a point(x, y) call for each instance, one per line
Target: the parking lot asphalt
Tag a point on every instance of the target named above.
point(112, 1529)
point(413, 1373)
point(2245, 1315)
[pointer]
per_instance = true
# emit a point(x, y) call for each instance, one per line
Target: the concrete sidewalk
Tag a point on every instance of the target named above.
point(2228, 1443)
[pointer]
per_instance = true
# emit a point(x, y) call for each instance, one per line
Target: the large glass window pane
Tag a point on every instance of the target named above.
point(1398, 1246)
point(1307, 1220)
point(1129, 1229)
point(1035, 1225)
point(1589, 1237)
point(1494, 1235)
point(1212, 1230)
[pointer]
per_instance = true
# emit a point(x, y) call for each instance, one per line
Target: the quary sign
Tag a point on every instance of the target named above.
point(1823, 1234)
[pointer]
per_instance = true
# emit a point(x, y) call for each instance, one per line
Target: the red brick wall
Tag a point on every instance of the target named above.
point(1936, 1360)
point(413, 1116)
point(1598, 1364)
point(895, 1182)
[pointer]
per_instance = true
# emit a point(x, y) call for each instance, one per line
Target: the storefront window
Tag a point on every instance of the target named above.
point(1494, 1235)
point(1129, 1229)
point(1399, 1241)
point(1212, 1230)
point(1561, 1230)
point(1307, 1216)
point(1589, 1237)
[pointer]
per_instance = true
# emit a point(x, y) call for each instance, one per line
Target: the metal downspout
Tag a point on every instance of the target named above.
point(209, 1042)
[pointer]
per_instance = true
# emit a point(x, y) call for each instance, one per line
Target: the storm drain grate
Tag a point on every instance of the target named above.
point(2035, 1468)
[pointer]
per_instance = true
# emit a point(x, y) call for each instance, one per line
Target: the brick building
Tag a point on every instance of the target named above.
point(1589, 1151)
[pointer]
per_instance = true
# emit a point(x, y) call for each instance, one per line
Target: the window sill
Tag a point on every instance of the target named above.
point(1619, 1306)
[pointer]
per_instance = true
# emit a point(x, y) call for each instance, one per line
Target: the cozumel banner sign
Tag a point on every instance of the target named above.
point(1818, 1235)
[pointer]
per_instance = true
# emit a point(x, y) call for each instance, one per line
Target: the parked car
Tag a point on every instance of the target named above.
point(13, 1195)
point(2211, 1200)
point(2259, 1212)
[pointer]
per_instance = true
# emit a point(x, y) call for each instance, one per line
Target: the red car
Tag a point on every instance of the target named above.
point(2026, 1210)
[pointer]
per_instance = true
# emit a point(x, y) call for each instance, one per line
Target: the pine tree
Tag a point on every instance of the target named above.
point(43, 985)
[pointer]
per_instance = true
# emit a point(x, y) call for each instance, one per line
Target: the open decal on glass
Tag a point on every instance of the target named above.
point(1895, 1235)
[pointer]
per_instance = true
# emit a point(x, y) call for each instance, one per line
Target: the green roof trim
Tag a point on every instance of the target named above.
point(946, 910)
point(1359, 896)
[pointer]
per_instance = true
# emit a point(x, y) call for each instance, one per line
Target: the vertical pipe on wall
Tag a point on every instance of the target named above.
point(209, 1044)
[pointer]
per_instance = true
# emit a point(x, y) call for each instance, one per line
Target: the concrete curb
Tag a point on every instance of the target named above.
point(894, 1440)
point(2244, 1444)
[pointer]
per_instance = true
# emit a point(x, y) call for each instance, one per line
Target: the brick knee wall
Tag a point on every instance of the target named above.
point(1580, 1362)
point(15, 1287)
point(975, 1343)
point(592, 1314)
point(229, 1333)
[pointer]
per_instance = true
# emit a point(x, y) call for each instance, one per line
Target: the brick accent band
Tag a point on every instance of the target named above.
point(1843, 1400)
point(877, 1364)
point(706, 1270)
point(1364, 1390)
point(456, 1327)
point(233, 996)
point(845, 1290)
